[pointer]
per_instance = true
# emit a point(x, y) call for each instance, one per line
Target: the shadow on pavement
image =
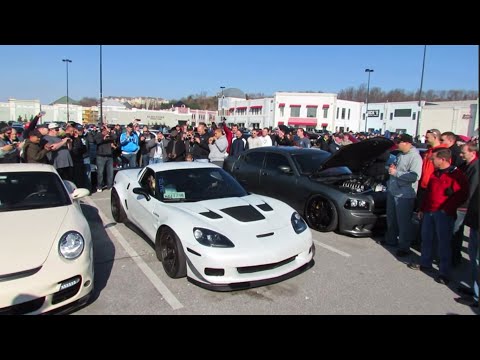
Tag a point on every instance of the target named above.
point(103, 250)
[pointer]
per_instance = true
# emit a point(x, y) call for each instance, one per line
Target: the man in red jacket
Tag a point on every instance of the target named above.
point(447, 189)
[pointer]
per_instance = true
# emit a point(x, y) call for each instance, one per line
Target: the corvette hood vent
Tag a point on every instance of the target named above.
point(265, 207)
point(211, 215)
point(244, 213)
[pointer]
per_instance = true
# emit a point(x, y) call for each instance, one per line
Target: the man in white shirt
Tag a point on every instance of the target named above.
point(254, 141)
point(266, 139)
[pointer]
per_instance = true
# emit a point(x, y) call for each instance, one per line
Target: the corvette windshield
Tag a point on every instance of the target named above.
point(31, 190)
point(197, 185)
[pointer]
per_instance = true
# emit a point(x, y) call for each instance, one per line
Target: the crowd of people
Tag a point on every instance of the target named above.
point(440, 190)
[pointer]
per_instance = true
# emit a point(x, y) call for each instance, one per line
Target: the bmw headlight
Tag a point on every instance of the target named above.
point(211, 238)
point(71, 245)
point(299, 225)
point(357, 204)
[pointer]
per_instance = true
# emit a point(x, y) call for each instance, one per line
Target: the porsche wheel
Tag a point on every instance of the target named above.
point(118, 212)
point(170, 251)
point(321, 214)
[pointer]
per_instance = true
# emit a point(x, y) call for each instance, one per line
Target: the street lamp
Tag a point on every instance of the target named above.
point(368, 90)
point(101, 93)
point(223, 110)
point(417, 128)
point(68, 112)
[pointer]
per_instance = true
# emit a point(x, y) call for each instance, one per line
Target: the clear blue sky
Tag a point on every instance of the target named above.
point(171, 72)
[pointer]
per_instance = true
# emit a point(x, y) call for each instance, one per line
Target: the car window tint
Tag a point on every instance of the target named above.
point(310, 162)
point(148, 182)
point(274, 161)
point(31, 190)
point(254, 158)
point(197, 185)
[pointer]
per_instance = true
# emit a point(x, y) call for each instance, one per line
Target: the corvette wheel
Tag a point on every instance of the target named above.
point(172, 255)
point(321, 214)
point(118, 212)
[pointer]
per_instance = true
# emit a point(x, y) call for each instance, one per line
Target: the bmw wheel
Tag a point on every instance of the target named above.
point(321, 214)
point(171, 253)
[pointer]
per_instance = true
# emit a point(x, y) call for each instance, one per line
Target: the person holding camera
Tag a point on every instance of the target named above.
point(157, 148)
point(218, 147)
point(9, 149)
point(176, 147)
point(129, 142)
point(59, 154)
point(200, 146)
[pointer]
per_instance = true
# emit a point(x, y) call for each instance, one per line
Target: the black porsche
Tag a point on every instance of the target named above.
point(345, 191)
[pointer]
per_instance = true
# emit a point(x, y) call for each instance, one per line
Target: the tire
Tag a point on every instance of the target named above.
point(118, 212)
point(321, 214)
point(170, 252)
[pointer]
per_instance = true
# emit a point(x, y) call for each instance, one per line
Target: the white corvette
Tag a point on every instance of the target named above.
point(207, 227)
point(46, 254)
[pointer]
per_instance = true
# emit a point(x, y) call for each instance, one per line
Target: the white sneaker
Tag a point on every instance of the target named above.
point(99, 190)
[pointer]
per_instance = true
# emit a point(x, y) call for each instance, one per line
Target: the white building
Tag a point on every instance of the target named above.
point(307, 110)
point(27, 109)
point(399, 117)
point(347, 116)
point(460, 117)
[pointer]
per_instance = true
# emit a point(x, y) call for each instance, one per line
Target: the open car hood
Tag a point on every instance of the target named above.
point(356, 156)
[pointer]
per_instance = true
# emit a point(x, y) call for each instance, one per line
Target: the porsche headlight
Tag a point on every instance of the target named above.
point(71, 245)
point(298, 223)
point(211, 238)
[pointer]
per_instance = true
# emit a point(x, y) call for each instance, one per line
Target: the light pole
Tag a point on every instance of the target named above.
point(101, 93)
point(68, 112)
point(223, 110)
point(417, 128)
point(368, 90)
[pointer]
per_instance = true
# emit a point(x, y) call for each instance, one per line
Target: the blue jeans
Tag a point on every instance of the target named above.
point(131, 158)
point(473, 253)
point(399, 220)
point(155, 161)
point(437, 224)
point(104, 163)
point(145, 159)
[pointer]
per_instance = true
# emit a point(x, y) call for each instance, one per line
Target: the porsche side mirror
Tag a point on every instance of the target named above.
point(141, 191)
point(80, 193)
point(285, 169)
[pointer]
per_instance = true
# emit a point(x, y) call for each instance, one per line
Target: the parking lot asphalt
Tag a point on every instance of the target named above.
point(351, 276)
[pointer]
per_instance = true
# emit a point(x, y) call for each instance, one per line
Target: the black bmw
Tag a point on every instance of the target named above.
point(344, 191)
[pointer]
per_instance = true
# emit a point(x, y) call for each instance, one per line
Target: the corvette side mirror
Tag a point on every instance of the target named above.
point(141, 191)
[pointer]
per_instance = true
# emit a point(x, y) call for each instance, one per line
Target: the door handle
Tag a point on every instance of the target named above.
point(154, 213)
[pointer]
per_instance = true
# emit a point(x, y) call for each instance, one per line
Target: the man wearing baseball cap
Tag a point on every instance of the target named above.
point(402, 187)
point(33, 151)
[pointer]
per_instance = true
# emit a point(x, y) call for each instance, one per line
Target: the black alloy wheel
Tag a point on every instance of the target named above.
point(321, 214)
point(170, 252)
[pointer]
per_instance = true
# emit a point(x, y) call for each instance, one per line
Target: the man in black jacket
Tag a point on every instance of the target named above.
point(104, 142)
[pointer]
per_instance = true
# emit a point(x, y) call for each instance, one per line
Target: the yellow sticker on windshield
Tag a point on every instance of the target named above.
point(174, 195)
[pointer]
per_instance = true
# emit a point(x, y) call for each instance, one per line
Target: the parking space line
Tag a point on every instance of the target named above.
point(331, 248)
point(147, 271)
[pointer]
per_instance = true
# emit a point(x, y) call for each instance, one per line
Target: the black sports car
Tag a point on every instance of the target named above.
point(344, 191)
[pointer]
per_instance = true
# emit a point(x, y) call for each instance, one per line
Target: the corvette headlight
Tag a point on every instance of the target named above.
point(71, 245)
point(298, 223)
point(357, 204)
point(211, 238)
